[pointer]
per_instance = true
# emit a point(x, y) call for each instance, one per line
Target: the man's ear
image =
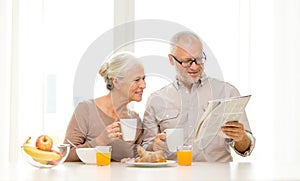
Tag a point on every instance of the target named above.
point(115, 82)
point(171, 59)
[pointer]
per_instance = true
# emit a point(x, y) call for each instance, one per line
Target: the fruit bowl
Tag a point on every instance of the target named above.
point(45, 159)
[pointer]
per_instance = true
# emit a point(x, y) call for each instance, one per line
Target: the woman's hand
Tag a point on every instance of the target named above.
point(110, 134)
point(113, 131)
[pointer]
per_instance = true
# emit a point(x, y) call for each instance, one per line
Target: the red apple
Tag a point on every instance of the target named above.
point(44, 142)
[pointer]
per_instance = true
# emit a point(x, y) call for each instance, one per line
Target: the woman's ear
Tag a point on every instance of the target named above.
point(171, 59)
point(115, 82)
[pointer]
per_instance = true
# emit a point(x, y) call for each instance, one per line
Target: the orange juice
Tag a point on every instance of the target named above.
point(184, 157)
point(103, 159)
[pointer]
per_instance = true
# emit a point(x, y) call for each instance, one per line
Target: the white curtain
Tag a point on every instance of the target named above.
point(286, 80)
point(5, 74)
point(273, 78)
point(21, 98)
point(42, 42)
point(9, 57)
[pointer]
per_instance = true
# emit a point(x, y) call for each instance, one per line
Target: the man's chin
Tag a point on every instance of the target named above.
point(194, 79)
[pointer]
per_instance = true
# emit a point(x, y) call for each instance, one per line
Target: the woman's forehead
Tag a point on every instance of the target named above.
point(137, 70)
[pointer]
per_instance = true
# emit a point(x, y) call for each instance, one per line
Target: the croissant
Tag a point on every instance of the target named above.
point(149, 156)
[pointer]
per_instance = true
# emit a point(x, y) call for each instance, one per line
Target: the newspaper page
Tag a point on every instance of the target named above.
point(229, 109)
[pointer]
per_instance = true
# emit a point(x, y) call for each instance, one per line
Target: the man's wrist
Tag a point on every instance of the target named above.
point(248, 151)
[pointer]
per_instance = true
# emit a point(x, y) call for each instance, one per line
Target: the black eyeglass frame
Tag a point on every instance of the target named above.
point(203, 59)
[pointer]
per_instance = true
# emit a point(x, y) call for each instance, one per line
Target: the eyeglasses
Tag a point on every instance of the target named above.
point(188, 63)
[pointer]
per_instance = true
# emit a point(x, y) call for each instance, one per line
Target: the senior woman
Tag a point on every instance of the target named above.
point(95, 121)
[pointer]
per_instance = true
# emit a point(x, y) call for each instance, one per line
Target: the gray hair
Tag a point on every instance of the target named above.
point(186, 36)
point(118, 66)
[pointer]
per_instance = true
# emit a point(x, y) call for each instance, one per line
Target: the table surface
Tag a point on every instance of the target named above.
point(119, 171)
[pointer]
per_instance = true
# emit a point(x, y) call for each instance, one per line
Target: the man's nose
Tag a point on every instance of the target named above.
point(193, 65)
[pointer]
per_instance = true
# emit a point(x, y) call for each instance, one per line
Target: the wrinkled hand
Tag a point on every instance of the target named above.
point(159, 142)
point(112, 132)
point(234, 130)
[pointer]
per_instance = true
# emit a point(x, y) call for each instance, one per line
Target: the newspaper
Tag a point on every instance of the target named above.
point(229, 109)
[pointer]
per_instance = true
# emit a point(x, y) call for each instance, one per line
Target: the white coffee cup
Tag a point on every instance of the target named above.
point(174, 138)
point(128, 128)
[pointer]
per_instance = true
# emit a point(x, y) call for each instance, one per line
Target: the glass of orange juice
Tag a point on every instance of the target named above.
point(184, 155)
point(103, 155)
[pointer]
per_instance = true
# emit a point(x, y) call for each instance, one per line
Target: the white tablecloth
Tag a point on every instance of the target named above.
point(118, 171)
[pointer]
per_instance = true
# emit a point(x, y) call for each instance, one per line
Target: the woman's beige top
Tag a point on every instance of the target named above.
point(88, 122)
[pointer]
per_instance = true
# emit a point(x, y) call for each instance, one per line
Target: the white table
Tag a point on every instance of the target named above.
point(117, 171)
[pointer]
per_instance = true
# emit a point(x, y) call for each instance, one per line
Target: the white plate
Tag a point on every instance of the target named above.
point(149, 164)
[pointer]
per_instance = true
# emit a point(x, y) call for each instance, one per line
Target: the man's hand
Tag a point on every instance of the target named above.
point(159, 142)
point(236, 131)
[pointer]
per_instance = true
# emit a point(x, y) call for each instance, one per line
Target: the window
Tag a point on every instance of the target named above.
point(53, 36)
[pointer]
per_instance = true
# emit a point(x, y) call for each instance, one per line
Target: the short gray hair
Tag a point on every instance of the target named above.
point(118, 66)
point(185, 36)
